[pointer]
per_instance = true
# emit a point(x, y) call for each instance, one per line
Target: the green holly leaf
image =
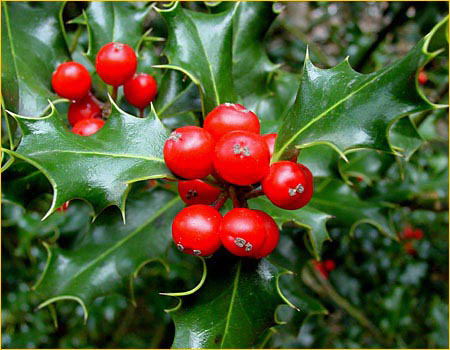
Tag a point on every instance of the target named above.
point(338, 199)
point(260, 84)
point(111, 253)
point(405, 138)
point(334, 103)
point(200, 46)
point(313, 220)
point(221, 314)
point(114, 22)
point(32, 46)
point(98, 168)
point(177, 100)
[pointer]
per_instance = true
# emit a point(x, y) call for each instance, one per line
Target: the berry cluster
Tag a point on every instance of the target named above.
point(324, 267)
point(228, 158)
point(116, 65)
point(409, 235)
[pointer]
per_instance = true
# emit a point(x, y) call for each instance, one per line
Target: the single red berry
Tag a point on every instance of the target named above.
point(195, 230)
point(242, 158)
point(243, 232)
point(140, 90)
point(270, 141)
point(330, 265)
point(71, 80)
point(188, 152)
point(272, 234)
point(86, 108)
point(418, 234)
point(116, 63)
point(197, 192)
point(230, 117)
point(88, 127)
point(408, 232)
point(320, 267)
point(422, 78)
point(63, 207)
point(409, 248)
point(288, 185)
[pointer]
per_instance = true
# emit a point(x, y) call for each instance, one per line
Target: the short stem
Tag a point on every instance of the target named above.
point(114, 93)
point(141, 112)
point(220, 201)
point(254, 193)
point(233, 196)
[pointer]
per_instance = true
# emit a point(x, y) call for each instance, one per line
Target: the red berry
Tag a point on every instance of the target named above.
point(422, 78)
point(242, 158)
point(270, 141)
point(329, 265)
point(140, 90)
point(409, 248)
point(188, 152)
point(408, 232)
point(272, 235)
point(288, 185)
point(319, 266)
point(243, 232)
point(88, 127)
point(418, 233)
point(116, 63)
point(230, 117)
point(197, 192)
point(71, 80)
point(195, 230)
point(86, 108)
point(64, 207)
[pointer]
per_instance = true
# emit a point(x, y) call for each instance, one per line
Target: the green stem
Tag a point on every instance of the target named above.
point(114, 93)
point(223, 197)
point(74, 44)
point(326, 288)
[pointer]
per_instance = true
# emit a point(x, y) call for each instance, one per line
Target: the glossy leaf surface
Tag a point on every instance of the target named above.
point(222, 314)
point(105, 260)
point(200, 46)
point(341, 107)
point(32, 47)
point(97, 168)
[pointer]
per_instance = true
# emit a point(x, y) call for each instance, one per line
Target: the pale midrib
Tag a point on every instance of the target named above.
point(324, 113)
point(126, 239)
point(230, 309)
point(114, 155)
point(216, 93)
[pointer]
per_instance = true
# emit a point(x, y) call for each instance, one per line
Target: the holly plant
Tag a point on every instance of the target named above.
point(188, 151)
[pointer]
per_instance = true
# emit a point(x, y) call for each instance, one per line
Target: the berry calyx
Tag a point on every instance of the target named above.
point(272, 235)
point(242, 232)
point(87, 127)
point(230, 117)
point(71, 80)
point(422, 78)
point(86, 108)
point(197, 192)
point(140, 90)
point(195, 230)
point(241, 158)
point(288, 185)
point(270, 141)
point(116, 63)
point(188, 152)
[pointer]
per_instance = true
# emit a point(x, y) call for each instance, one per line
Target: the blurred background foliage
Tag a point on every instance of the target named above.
point(382, 293)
